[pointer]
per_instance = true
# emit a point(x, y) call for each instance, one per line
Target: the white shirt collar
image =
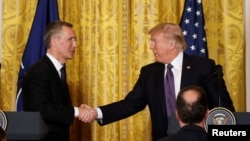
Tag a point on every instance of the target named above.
point(55, 62)
point(177, 62)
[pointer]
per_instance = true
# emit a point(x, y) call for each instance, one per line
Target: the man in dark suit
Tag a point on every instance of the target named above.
point(44, 88)
point(2, 134)
point(191, 112)
point(167, 44)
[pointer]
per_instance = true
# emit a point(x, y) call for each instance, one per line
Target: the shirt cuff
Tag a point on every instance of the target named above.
point(99, 113)
point(76, 111)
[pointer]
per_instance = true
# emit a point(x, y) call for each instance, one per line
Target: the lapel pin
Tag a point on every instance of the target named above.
point(188, 67)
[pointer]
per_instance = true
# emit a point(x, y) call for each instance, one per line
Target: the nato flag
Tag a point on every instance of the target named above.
point(46, 12)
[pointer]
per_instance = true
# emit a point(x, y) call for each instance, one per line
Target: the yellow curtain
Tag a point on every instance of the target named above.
point(113, 45)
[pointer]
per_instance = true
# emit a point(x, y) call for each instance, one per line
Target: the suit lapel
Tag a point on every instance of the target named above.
point(187, 70)
point(65, 90)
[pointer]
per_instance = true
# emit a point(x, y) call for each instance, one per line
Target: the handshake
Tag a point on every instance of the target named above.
point(87, 114)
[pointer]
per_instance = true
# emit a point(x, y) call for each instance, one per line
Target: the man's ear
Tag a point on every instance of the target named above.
point(207, 112)
point(177, 115)
point(172, 44)
point(53, 41)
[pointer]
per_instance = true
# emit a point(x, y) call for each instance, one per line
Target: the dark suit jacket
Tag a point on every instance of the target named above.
point(44, 92)
point(149, 91)
point(188, 133)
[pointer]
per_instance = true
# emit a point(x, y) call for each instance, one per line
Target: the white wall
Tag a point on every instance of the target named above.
point(1, 21)
point(247, 46)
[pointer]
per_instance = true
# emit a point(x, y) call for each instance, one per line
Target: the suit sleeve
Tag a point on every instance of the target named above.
point(134, 102)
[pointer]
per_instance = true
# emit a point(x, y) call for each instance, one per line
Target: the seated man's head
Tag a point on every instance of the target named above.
point(192, 106)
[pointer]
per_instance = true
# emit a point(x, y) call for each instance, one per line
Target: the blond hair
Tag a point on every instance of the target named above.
point(171, 31)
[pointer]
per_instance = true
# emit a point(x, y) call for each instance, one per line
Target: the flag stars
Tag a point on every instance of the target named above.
point(203, 50)
point(193, 29)
point(194, 36)
point(189, 9)
point(198, 13)
point(187, 21)
point(184, 32)
point(204, 39)
point(196, 24)
point(192, 47)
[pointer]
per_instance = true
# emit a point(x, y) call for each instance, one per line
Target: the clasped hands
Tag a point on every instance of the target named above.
point(87, 114)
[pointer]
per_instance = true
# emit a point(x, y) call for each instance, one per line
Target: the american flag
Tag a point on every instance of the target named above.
point(192, 24)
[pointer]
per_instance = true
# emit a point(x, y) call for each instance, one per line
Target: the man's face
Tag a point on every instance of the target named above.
point(66, 44)
point(160, 47)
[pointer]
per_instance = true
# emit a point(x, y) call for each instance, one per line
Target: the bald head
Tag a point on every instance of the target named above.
point(192, 104)
point(190, 96)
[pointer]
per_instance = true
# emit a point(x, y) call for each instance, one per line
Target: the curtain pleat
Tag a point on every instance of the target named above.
point(113, 44)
